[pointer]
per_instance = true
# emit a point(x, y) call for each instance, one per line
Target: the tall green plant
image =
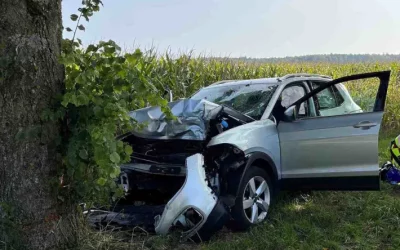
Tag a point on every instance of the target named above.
point(102, 86)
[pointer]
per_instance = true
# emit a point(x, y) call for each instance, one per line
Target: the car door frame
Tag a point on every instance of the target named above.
point(307, 90)
point(384, 77)
point(321, 183)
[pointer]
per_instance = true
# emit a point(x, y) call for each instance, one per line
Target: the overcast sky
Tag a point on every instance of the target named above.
point(253, 28)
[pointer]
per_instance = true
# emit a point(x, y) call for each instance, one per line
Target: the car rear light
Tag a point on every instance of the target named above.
point(188, 222)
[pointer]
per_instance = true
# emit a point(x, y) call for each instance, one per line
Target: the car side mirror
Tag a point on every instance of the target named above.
point(290, 114)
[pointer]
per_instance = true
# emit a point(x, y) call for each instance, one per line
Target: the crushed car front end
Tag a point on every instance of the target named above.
point(175, 180)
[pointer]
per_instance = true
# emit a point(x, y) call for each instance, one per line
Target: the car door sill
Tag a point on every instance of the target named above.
point(352, 183)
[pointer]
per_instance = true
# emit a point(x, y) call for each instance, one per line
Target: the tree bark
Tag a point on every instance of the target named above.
point(30, 78)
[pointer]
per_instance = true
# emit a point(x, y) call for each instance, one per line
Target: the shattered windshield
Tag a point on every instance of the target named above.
point(249, 99)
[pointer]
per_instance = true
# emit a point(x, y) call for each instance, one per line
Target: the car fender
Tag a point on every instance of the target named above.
point(270, 168)
point(258, 138)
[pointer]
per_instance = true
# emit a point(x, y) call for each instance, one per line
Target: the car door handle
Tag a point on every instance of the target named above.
point(365, 125)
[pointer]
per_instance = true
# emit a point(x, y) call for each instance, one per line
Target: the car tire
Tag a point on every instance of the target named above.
point(251, 208)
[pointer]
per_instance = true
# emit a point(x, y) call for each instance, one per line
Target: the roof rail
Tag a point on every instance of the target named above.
point(302, 75)
point(220, 82)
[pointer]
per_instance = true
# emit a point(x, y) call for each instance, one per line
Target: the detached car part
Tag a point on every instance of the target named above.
point(194, 210)
point(194, 205)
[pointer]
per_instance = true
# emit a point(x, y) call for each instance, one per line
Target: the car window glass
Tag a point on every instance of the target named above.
point(338, 95)
point(349, 97)
point(291, 94)
point(249, 99)
point(327, 98)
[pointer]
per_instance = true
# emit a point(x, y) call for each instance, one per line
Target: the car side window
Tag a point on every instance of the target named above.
point(291, 94)
point(350, 97)
point(338, 96)
point(328, 98)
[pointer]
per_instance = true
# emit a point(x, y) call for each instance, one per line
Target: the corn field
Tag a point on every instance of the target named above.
point(186, 74)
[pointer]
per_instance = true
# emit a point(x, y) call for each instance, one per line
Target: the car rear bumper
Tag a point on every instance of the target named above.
point(194, 209)
point(196, 195)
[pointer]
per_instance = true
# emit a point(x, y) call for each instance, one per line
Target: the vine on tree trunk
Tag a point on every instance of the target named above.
point(102, 86)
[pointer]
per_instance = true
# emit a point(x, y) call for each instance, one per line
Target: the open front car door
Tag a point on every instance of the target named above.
point(337, 147)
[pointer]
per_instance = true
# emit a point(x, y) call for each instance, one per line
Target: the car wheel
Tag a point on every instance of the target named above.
point(253, 200)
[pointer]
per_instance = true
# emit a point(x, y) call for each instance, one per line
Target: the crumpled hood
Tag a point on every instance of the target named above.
point(191, 123)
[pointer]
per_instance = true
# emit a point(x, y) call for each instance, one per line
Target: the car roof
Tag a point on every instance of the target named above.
point(244, 82)
point(271, 80)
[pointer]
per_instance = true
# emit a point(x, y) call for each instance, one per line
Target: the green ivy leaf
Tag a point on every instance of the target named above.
point(101, 181)
point(109, 109)
point(114, 157)
point(128, 150)
point(97, 2)
point(83, 154)
point(116, 172)
point(74, 17)
point(97, 111)
point(122, 103)
point(81, 27)
point(82, 99)
point(68, 29)
point(109, 49)
point(91, 48)
point(119, 192)
point(132, 58)
point(113, 146)
point(64, 103)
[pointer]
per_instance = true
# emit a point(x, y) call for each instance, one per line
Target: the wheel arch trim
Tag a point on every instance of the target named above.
point(256, 156)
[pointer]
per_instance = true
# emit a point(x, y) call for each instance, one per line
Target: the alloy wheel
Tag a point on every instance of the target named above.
point(256, 199)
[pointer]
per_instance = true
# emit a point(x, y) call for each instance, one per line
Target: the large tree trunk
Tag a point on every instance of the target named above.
point(30, 77)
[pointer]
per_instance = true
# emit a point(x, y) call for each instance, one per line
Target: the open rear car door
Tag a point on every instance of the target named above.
point(340, 151)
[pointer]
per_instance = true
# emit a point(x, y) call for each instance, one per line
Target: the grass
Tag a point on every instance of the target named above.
point(326, 220)
point(315, 220)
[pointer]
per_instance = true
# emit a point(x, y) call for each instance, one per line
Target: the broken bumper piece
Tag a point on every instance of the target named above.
point(195, 208)
point(126, 217)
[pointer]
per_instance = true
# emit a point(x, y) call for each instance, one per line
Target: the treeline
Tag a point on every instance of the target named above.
point(327, 58)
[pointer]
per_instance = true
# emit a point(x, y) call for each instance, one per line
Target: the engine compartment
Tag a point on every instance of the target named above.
point(157, 167)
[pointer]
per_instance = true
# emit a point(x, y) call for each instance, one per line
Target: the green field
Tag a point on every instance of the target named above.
point(185, 75)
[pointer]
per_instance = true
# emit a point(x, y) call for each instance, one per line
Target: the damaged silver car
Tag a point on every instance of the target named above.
point(235, 144)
